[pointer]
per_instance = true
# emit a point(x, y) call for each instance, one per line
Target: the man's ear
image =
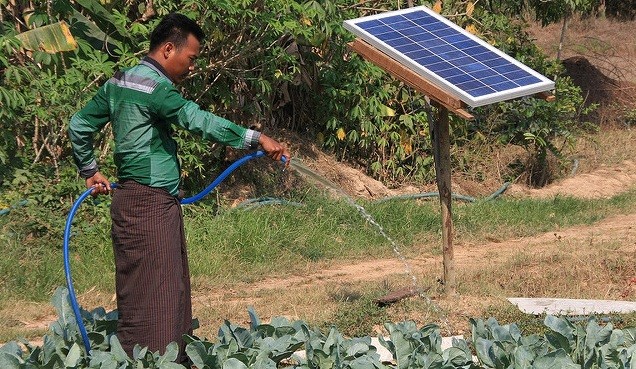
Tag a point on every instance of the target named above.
point(167, 49)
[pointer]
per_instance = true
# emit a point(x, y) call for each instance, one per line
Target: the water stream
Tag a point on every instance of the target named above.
point(307, 172)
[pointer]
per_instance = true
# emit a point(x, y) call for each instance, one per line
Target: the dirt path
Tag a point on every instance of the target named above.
point(618, 228)
point(601, 183)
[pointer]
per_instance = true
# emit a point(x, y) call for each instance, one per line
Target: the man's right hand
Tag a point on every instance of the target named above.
point(100, 184)
point(274, 149)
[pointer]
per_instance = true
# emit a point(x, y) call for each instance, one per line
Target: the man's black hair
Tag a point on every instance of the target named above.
point(175, 28)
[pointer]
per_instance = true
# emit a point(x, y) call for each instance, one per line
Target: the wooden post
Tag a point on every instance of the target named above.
point(440, 137)
point(441, 151)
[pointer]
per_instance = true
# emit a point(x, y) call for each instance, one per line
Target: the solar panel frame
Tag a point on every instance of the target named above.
point(445, 41)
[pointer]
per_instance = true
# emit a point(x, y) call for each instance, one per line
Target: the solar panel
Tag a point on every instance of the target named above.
point(449, 57)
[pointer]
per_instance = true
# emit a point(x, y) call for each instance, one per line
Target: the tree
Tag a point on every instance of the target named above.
point(552, 11)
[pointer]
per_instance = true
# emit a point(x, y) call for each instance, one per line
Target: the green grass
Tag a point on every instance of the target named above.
point(245, 244)
point(409, 220)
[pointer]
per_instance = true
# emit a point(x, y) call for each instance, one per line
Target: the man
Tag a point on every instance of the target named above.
point(152, 276)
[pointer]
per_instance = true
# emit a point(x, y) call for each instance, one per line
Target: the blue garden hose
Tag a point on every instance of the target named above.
point(78, 202)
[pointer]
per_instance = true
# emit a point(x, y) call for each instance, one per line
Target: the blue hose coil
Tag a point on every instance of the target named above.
point(78, 202)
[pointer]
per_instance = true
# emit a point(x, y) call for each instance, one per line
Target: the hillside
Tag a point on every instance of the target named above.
point(601, 166)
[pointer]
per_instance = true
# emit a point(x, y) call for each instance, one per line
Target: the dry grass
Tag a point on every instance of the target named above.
point(608, 147)
point(609, 45)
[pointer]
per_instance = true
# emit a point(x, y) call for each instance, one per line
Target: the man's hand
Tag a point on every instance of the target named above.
point(100, 184)
point(274, 149)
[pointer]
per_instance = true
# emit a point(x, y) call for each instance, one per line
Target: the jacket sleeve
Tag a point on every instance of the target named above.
point(90, 119)
point(175, 109)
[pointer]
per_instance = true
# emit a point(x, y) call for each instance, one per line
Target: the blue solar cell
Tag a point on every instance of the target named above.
point(484, 73)
point(391, 35)
point(419, 54)
point(516, 74)
point(463, 60)
point(434, 27)
point(496, 62)
point(379, 29)
point(460, 78)
point(471, 84)
point(436, 42)
point(527, 80)
point(397, 41)
point(466, 44)
point(398, 26)
point(481, 91)
point(472, 67)
point(370, 24)
point(423, 37)
point(412, 31)
point(453, 55)
point(494, 79)
point(451, 72)
point(440, 66)
point(505, 68)
point(451, 58)
point(445, 32)
point(417, 15)
point(455, 39)
point(504, 86)
point(408, 48)
point(432, 59)
point(485, 55)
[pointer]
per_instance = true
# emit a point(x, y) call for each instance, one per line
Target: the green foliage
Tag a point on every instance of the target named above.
point(555, 10)
point(279, 342)
point(541, 127)
point(564, 345)
point(284, 64)
point(422, 348)
point(621, 9)
point(279, 63)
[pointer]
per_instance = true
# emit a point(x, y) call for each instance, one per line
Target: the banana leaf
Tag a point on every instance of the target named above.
point(87, 30)
point(52, 38)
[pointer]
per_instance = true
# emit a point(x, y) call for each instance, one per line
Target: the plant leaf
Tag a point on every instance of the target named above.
point(485, 352)
point(52, 38)
point(73, 357)
point(254, 319)
point(8, 361)
point(197, 353)
point(555, 360)
point(171, 354)
point(234, 363)
point(437, 8)
point(89, 31)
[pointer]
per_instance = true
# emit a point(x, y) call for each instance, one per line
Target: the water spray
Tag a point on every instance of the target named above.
point(78, 202)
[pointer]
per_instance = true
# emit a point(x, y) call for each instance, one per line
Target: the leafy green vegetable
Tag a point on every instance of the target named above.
point(285, 344)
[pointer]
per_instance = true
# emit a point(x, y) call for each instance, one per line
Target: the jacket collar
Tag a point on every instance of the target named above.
point(152, 63)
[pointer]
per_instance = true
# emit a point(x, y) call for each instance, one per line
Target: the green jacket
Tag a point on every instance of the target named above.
point(142, 104)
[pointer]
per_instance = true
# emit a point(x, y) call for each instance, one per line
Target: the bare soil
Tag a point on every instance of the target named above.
point(599, 55)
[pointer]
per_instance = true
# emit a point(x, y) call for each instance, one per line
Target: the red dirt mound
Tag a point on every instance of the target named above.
point(614, 98)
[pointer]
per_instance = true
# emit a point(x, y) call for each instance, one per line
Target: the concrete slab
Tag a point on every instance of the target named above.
point(556, 306)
